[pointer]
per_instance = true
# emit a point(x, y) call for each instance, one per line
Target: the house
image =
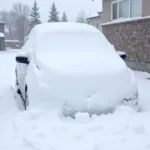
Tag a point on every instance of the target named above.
point(13, 44)
point(2, 36)
point(126, 24)
point(95, 20)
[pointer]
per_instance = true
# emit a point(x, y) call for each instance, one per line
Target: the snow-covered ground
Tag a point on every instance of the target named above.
point(37, 129)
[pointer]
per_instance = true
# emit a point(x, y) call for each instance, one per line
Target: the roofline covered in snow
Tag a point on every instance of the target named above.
point(1, 22)
point(2, 34)
point(98, 15)
point(118, 21)
point(12, 41)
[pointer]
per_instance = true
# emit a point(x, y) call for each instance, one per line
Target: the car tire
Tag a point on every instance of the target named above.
point(26, 101)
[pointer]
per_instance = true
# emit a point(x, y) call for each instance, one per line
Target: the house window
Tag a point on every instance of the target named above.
point(126, 9)
point(115, 11)
point(136, 8)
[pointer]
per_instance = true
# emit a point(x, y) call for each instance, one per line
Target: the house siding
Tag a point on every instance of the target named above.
point(2, 27)
point(2, 39)
point(94, 21)
point(13, 45)
point(133, 38)
point(106, 11)
point(2, 43)
point(145, 8)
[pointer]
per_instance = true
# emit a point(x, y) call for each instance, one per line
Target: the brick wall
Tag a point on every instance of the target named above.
point(133, 37)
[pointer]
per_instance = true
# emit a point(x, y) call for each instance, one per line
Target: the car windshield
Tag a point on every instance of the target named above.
point(72, 42)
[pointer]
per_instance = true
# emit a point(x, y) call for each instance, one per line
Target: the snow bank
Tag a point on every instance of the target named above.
point(144, 88)
point(38, 129)
point(8, 105)
point(7, 68)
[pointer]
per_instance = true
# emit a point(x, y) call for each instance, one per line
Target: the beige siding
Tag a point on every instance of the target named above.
point(95, 21)
point(106, 10)
point(146, 8)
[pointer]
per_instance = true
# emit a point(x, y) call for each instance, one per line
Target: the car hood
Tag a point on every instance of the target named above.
point(83, 79)
point(80, 62)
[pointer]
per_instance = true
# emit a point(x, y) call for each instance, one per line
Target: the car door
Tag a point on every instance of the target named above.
point(22, 68)
point(22, 72)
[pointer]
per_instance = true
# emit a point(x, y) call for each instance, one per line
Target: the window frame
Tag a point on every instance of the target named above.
point(112, 3)
point(117, 2)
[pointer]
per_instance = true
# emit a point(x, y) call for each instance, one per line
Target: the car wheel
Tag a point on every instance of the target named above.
point(26, 101)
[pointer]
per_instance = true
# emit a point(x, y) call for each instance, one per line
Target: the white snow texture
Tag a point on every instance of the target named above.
point(38, 129)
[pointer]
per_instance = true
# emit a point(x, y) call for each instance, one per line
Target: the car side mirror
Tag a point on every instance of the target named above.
point(123, 55)
point(22, 59)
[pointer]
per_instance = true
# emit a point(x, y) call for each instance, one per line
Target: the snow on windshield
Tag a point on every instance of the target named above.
point(72, 42)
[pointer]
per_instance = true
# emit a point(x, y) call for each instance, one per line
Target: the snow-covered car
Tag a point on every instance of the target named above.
point(73, 67)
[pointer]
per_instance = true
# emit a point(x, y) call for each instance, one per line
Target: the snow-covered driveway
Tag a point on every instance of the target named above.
point(37, 129)
point(7, 76)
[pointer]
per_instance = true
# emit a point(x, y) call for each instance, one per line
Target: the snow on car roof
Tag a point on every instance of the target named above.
point(64, 27)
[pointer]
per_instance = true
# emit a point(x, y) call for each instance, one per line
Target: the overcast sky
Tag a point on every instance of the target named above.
point(71, 7)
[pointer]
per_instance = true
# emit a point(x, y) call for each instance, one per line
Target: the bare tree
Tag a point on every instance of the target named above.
point(81, 17)
point(21, 12)
point(8, 17)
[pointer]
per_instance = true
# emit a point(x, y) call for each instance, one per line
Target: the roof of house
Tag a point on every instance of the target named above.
point(2, 34)
point(1, 22)
point(94, 15)
point(11, 41)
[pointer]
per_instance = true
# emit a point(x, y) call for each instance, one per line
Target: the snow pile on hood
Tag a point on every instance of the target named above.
point(85, 63)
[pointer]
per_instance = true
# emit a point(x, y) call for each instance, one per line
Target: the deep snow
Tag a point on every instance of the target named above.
point(38, 129)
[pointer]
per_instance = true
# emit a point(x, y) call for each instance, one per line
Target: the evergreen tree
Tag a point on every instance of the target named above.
point(34, 16)
point(53, 14)
point(64, 17)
